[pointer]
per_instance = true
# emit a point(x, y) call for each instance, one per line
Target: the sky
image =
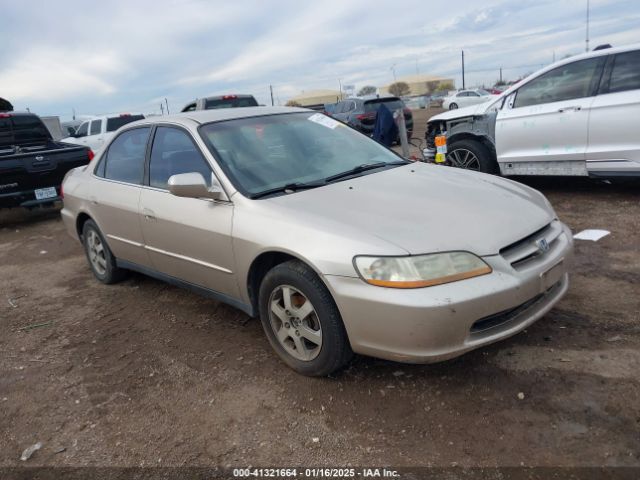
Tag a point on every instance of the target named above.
point(111, 56)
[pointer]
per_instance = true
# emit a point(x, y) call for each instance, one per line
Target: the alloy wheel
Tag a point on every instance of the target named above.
point(463, 158)
point(295, 323)
point(96, 253)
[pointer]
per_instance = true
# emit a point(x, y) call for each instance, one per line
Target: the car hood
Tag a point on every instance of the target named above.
point(425, 208)
point(477, 109)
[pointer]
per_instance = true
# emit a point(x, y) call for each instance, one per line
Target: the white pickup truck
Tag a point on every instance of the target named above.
point(579, 116)
point(96, 132)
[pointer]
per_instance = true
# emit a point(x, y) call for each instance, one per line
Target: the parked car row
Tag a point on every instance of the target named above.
point(361, 113)
point(579, 116)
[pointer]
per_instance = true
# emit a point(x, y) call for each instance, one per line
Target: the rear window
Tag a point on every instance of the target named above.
point(115, 123)
point(391, 103)
point(22, 129)
point(236, 102)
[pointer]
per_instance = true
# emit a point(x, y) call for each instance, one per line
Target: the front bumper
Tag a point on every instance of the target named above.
point(432, 324)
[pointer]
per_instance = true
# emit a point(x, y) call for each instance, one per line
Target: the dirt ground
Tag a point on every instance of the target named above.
point(145, 374)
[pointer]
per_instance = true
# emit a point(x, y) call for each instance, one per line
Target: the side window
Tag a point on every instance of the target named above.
point(174, 152)
point(189, 108)
point(625, 74)
point(473, 94)
point(125, 157)
point(83, 130)
point(96, 127)
point(573, 80)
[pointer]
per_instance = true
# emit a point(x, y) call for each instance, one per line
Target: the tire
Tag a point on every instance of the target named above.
point(288, 333)
point(460, 152)
point(101, 260)
point(453, 106)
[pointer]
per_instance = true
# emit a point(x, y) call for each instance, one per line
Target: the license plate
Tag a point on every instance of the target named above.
point(552, 276)
point(43, 193)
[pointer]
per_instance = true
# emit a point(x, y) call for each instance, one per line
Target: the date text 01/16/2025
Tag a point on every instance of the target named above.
point(315, 473)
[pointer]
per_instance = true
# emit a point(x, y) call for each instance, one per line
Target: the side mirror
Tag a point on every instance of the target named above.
point(192, 185)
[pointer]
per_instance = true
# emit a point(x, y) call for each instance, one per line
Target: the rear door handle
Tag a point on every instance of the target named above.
point(148, 214)
point(575, 108)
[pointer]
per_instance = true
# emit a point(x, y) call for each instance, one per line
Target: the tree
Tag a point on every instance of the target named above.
point(444, 86)
point(367, 90)
point(292, 103)
point(399, 89)
point(5, 105)
point(432, 86)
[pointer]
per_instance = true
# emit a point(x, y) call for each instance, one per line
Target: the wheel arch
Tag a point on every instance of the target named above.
point(264, 262)
point(483, 139)
point(81, 219)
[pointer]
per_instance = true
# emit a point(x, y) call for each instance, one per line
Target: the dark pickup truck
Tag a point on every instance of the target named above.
point(32, 165)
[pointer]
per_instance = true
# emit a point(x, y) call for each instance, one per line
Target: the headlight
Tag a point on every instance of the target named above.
point(420, 270)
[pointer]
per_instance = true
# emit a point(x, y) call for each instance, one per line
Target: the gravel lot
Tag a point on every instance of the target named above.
point(142, 373)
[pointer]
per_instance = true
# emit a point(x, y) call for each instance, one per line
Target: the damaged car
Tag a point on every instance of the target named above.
point(576, 117)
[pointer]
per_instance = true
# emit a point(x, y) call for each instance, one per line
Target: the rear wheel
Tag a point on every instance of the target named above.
point(471, 155)
point(101, 260)
point(301, 320)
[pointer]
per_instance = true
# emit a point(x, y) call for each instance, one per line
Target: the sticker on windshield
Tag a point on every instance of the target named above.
point(323, 120)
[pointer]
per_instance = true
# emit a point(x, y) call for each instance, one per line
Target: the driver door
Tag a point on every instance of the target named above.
point(186, 238)
point(546, 120)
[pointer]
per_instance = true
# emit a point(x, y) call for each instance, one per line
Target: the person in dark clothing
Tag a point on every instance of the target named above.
point(385, 130)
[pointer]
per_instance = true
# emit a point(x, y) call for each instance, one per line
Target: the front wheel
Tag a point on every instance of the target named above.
point(471, 155)
point(453, 106)
point(301, 320)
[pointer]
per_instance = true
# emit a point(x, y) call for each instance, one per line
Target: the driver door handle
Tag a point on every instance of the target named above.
point(575, 108)
point(148, 214)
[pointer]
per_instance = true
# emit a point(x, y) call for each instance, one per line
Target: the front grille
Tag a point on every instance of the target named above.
point(523, 252)
point(506, 316)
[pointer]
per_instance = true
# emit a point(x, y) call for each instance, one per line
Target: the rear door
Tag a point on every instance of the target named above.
point(115, 196)
point(187, 238)
point(614, 120)
point(94, 139)
point(542, 128)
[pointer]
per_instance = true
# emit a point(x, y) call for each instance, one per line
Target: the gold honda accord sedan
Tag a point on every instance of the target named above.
point(334, 241)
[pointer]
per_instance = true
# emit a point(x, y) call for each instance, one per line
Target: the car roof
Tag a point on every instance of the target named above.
point(575, 58)
point(219, 114)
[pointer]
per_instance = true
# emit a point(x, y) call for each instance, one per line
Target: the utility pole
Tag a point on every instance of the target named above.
point(161, 109)
point(500, 74)
point(271, 90)
point(463, 85)
point(167, 103)
point(587, 37)
point(340, 84)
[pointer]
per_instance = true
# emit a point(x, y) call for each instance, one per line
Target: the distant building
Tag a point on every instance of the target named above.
point(418, 84)
point(314, 98)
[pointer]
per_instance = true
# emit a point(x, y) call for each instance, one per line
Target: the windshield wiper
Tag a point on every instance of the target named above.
point(288, 188)
point(361, 168)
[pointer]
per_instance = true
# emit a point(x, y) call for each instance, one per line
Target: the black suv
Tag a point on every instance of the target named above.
point(361, 114)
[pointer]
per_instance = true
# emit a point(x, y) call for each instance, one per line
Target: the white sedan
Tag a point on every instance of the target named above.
point(465, 98)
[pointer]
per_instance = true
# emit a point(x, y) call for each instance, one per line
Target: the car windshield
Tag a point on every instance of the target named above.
point(114, 123)
point(264, 153)
point(391, 103)
point(230, 102)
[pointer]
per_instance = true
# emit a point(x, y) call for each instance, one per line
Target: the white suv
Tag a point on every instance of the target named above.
point(96, 133)
point(579, 116)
